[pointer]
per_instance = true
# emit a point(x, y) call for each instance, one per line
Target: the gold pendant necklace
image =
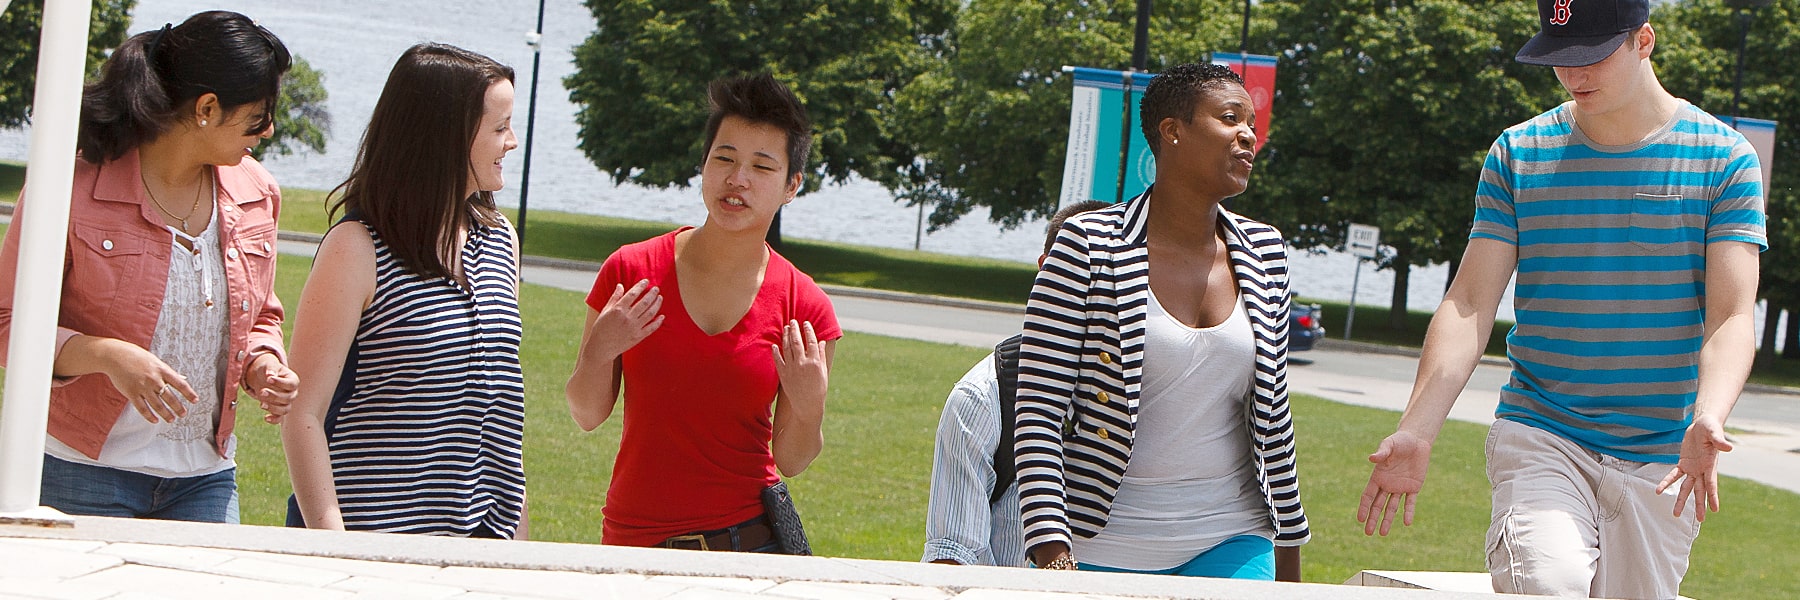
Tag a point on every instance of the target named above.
point(198, 189)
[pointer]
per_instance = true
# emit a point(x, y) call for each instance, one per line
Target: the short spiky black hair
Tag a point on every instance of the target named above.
point(761, 99)
point(1173, 93)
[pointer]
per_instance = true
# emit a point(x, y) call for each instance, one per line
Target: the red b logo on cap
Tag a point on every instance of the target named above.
point(1560, 15)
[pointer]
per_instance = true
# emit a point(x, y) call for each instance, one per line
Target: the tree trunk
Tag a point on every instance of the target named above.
point(1791, 347)
point(1771, 322)
point(774, 236)
point(1397, 309)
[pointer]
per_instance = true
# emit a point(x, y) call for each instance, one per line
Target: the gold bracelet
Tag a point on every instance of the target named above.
point(1065, 562)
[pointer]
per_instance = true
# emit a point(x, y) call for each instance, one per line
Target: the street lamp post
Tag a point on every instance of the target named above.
point(1140, 44)
point(535, 39)
point(1746, 10)
point(1244, 38)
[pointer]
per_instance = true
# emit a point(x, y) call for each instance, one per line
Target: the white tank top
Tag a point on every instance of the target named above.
point(1191, 483)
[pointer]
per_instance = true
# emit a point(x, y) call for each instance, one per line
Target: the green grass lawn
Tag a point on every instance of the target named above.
point(865, 497)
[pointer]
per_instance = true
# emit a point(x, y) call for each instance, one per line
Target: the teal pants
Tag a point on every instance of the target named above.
point(1241, 557)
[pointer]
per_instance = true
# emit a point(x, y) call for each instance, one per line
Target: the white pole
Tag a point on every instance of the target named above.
point(1350, 315)
point(56, 110)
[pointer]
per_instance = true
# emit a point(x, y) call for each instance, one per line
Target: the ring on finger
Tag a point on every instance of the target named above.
point(160, 390)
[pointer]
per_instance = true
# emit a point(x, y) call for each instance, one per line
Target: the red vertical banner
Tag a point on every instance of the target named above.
point(1258, 72)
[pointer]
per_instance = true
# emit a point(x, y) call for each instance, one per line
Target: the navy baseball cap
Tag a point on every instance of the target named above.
point(1578, 33)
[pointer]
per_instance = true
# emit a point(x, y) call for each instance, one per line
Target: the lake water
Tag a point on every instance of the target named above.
point(354, 43)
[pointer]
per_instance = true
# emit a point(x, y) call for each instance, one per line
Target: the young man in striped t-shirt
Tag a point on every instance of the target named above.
point(1634, 221)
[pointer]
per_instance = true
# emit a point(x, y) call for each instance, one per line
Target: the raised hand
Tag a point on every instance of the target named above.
point(1698, 468)
point(800, 362)
point(628, 317)
point(1400, 465)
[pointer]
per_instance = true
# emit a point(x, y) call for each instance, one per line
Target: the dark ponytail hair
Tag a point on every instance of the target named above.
point(408, 179)
point(149, 80)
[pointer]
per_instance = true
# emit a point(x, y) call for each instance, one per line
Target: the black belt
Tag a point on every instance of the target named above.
point(742, 537)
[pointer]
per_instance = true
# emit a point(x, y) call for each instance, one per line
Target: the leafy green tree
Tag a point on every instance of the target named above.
point(641, 78)
point(20, 29)
point(990, 120)
point(1696, 56)
point(301, 120)
point(1388, 108)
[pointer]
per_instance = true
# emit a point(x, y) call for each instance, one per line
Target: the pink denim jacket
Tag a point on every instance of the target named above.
point(116, 269)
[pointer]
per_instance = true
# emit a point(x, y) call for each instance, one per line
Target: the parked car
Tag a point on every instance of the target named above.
point(1306, 326)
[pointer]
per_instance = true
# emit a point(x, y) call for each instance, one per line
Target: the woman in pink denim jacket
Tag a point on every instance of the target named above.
point(168, 305)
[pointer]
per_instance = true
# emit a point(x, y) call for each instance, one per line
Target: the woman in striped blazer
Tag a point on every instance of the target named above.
point(1153, 432)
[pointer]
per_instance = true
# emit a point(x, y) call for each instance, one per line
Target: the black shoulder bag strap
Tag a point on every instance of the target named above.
point(1006, 367)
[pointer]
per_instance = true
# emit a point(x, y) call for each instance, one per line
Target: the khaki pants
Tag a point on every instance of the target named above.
point(1571, 522)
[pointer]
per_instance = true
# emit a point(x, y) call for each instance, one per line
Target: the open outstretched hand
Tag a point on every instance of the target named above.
point(1400, 465)
point(1698, 468)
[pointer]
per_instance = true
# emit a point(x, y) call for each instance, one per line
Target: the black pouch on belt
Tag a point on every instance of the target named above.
point(784, 520)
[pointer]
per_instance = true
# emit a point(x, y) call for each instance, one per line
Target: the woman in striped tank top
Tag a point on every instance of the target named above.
point(411, 413)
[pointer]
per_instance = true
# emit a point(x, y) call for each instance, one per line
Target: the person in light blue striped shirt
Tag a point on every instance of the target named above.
point(1634, 221)
point(966, 524)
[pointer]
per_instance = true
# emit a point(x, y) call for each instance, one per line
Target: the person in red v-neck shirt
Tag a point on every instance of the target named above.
point(723, 347)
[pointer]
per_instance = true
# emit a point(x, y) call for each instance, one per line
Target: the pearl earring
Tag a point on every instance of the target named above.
point(1176, 142)
point(203, 122)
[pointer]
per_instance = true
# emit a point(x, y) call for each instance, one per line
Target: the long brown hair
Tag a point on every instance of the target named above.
point(407, 183)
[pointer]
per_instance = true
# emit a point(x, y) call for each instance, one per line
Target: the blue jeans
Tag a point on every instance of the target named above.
point(1241, 557)
point(79, 489)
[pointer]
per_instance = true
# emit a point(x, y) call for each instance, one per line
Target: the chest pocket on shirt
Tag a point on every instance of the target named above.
point(257, 250)
point(101, 262)
point(1658, 224)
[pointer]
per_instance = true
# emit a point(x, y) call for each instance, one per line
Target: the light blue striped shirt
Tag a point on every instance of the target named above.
point(961, 524)
point(1611, 291)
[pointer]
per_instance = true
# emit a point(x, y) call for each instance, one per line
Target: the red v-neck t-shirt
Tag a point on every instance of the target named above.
point(695, 455)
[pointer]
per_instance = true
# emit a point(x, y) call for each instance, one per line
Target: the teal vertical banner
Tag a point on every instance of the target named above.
point(1106, 141)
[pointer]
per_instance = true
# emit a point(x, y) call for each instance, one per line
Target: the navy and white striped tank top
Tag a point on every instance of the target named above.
point(427, 426)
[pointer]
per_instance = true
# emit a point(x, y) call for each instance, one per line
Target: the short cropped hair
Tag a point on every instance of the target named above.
point(761, 99)
point(1174, 92)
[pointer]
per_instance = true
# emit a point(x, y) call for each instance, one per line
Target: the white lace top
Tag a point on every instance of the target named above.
point(191, 336)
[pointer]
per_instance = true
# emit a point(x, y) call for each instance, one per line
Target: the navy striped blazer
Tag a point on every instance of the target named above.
point(1081, 368)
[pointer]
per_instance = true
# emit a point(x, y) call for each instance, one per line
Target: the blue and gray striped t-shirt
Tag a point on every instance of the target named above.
point(1611, 271)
